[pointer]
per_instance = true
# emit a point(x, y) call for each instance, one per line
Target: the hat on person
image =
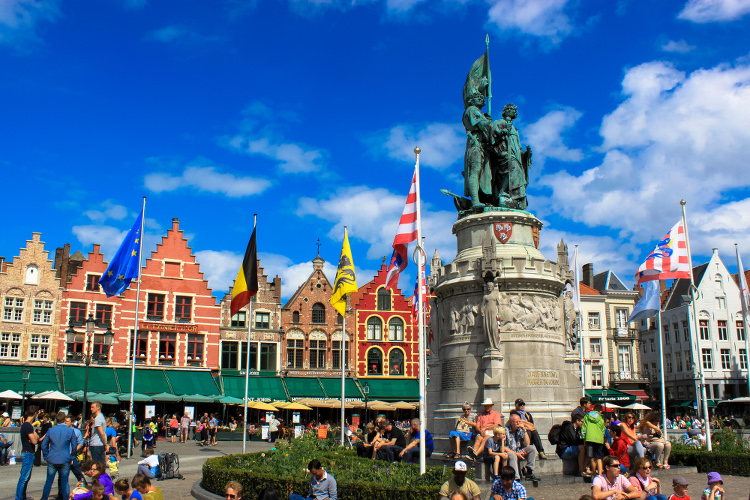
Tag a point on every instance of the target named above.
point(679, 480)
point(488, 401)
point(714, 477)
point(460, 465)
point(520, 401)
point(5, 414)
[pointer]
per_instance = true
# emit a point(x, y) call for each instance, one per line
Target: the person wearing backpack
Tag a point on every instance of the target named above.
point(570, 443)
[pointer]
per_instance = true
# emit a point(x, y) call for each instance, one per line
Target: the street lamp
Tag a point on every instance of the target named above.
point(26, 373)
point(86, 356)
point(366, 390)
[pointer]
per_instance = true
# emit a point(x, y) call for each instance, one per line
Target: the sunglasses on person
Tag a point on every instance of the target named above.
point(230, 495)
point(612, 466)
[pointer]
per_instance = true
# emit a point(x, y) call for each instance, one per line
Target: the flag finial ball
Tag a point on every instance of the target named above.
point(682, 202)
point(417, 150)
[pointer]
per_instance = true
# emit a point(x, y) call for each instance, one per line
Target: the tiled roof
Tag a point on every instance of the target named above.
point(587, 290)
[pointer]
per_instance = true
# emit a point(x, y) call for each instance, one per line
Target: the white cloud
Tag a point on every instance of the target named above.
point(107, 210)
point(540, 18)
point(708, 11)
point(179, 34)
point(680, 47)
point(546, 137)
point(206, 179)
point(675, 135)
point(220, 268)
point(401, 6)
point(442, 144)
point(19, 20)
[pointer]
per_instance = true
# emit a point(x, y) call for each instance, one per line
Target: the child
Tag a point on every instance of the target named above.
point(715, 489)
point(98, 472)
point(123, 489)
point(495, 451)
point(593, 434)
point(619, 448)
point(97, 491)
point(149, 466)
point(112, 458)
point(680, 486)
point(143, 485)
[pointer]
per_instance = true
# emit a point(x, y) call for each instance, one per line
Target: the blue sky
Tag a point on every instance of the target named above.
point(306, 113)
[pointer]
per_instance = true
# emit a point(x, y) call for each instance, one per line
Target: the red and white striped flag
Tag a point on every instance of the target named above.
point(406, 233)
point(669, 260)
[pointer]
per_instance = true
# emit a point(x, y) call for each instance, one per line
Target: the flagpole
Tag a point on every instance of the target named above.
point(661, 369)
point(420, 324)
point(247, 355)
point(577, 294)
point(343, 365)
point(704, 402)
point(131, 417)
point(743, 282)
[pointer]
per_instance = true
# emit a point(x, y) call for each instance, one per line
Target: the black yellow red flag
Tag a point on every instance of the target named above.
point(246, 284)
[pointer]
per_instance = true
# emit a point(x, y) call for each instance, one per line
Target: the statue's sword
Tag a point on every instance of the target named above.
point(489, 76)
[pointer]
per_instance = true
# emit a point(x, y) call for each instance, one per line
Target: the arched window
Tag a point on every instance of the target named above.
point(384, 300)
point(396, 330)
point(295, 317)
point(374, 328)
point(396, 362)
point(32, 275)
point(374, 362)
point(318, 313)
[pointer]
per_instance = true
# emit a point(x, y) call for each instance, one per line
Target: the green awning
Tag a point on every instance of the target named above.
point(610, 396)
point(711, 403)
point(101, 379)
point(304, 387)
point(259, 388)
point(229, 400)
point(687, 404)
point(192, 382)
point(41, 378)
point(392, 389)
point(125, 396)
point(332, 386)
point(146, 381)
point(165, 396)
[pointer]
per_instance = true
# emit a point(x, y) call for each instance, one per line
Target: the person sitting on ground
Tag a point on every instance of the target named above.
point(459, 483)
point(715, 488)
point(528, 424)
point(506, 487)
point(640, 477)
point(5, 443)
point(410, 454)
point(584, 407)
point(593, 434)
point(462, 431)
point(619, 448)
point(571, 444)
point(149, 492)
point(519, 448)
point(612, 485)
point(125, 491)
point(391, 444)
point(656, 443)
point(322, 484)
point(149, 466)
point(233, 491)
point(486, 421)
point(680, 487)
point(496, 451)
point(97, 471)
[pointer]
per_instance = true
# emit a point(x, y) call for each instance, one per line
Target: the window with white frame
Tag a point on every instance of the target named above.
point(39, 346)
point(708, 363)
point(676, 329)
point(703, 324)
point(596, 376)
point(726, 359)
point(13, 309)
point(374, 328)
point(623, 357)
point(396, 330)
point(721, 302)
point(685, 331)
point(42, 311)
point(621, 321)
point(668, 359)
point(740, 330)
point(262, 320)
point(722, 329)
point(10, 344)
point(678, 361)
point(743, 359)
point(594, 323)
point(317, 354)
point(595, 345)
point(665, 329)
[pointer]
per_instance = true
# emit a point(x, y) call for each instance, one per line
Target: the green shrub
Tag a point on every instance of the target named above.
point(730, 454)
point(285, 469)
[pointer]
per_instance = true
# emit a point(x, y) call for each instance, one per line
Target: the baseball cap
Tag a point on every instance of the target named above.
point(460, 465)
point(714, 477)
point(520, 401)
point(679, 480)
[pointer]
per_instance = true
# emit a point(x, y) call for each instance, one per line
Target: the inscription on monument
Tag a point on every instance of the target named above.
point(543, 377)
point(453, 374)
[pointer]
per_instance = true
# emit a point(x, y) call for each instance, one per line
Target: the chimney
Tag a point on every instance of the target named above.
point(62, 260)
point(588, 275)
point(175, 224)
point(2, 264)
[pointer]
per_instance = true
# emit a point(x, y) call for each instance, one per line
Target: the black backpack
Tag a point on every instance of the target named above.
point(169, 466)
point(554, 433)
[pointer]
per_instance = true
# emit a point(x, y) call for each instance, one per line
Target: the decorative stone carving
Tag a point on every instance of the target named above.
point(490, 313)
point(571, 336)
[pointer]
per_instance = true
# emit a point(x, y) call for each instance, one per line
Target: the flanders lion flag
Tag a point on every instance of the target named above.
point(346, 281)
point(246, 284)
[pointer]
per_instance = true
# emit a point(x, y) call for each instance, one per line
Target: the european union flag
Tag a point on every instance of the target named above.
point(126, 264)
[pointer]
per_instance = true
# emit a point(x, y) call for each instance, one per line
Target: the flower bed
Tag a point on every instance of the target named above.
point(358, 478)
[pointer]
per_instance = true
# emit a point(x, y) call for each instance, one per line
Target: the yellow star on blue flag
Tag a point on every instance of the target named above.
point(125, 266)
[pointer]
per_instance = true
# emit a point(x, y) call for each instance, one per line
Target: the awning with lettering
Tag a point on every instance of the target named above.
point(41, 378)
point(192, 382)
point(392, 389)
point(332, 387)
point(609, 396)
point(259, 388)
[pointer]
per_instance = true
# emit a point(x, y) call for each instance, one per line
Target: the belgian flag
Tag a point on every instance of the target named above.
point(246, 284)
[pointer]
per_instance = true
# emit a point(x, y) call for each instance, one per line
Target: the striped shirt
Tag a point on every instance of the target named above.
point(428, 446)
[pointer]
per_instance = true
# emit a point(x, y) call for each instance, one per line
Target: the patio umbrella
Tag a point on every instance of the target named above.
point(197, 398)
point(10, 395)
point(260, 405)
point(105, 399)
point(336, 403)
point(403, 405)
point(295, 406)
point(382, 406)
point(315, 403)
point(165, 396)
point(637, 406)
point(56, 395)
point(229, 400)
point(136, 397)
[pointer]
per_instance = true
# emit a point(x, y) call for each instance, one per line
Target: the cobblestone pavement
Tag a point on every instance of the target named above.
point(192, 458)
